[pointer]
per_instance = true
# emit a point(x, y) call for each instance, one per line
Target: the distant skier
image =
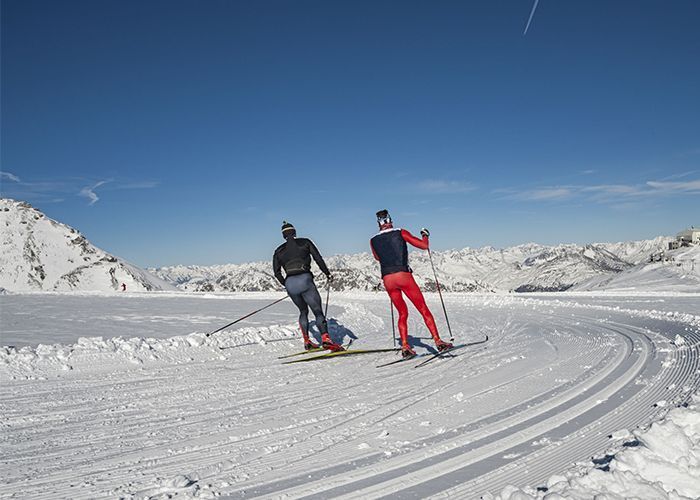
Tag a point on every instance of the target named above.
point(123, 287)
point(294, 255)
point(390, 249)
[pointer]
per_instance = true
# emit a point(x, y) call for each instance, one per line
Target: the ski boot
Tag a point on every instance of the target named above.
point(309, 345)
point(442, 345)
point(407, 352)
point(327, 343)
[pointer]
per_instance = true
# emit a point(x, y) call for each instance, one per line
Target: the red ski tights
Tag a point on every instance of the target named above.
point(395, 284)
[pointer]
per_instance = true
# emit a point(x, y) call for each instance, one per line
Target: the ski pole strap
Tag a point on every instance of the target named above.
point(246, 316)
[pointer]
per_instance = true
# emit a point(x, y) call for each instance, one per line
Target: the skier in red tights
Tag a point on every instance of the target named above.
point(390, 249)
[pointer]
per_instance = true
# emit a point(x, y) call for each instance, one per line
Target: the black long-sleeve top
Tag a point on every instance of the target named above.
point(295, 256)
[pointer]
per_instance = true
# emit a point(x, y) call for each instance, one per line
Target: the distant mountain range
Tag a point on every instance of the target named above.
point(41, 254)
point(523, 268)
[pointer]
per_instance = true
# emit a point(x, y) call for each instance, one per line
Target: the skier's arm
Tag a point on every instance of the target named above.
point(423, 244)
point(317, 257)
point(277, 268)
point(376, 257)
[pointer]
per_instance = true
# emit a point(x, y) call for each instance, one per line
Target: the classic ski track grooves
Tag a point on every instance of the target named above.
point(552, 382)
point(408, 469)
point(413, 476)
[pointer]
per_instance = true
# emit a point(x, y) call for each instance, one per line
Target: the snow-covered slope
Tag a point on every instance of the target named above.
point(38, 253)
point(153, 408)
point(637, 252)
point(529, 267)
point(680, 272)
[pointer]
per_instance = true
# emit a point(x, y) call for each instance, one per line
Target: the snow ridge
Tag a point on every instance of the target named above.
point(120, 353)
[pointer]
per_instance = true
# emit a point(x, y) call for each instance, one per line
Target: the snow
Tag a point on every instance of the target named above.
point(637, 252)
point(663, 462)
point(123, 395)
point(680, 273)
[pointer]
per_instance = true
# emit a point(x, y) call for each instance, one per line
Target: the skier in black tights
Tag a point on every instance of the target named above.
point(294, 255)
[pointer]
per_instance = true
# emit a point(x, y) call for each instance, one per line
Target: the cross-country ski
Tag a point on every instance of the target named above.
point(312, 350)
point(445, 354)
point(336, 354)
point(429, 356)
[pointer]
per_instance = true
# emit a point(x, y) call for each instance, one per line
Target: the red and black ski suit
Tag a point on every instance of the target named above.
point(390, 249)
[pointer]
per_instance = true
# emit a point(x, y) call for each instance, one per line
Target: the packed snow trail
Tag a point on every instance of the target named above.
point(155, 417)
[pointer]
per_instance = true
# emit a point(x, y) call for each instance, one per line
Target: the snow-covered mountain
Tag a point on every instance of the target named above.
point(523, 268)
point(38, 253)
point(678, 271)
point(637, 252)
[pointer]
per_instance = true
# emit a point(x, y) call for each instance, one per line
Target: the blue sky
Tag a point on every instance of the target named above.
point(184, 132)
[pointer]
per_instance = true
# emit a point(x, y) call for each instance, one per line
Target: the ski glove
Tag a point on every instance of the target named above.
point(425, 232)
point(329, 276)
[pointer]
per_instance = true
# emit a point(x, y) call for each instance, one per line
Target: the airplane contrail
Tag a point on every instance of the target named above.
point(532, 13)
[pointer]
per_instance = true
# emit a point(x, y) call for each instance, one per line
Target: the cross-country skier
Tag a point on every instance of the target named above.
point(294, 255)
point(390, 249)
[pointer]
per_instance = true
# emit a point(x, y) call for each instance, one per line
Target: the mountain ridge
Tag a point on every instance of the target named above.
point(38, 253)
point(41, 254)
point(522, 268)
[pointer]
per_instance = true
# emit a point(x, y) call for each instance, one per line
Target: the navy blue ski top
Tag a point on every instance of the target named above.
point(390, 249)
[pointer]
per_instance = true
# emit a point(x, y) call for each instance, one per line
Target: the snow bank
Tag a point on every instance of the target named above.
point(676, 316)
point(662, 462)
point(98, 354)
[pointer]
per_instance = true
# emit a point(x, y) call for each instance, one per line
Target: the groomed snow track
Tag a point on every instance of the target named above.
point(556, 379)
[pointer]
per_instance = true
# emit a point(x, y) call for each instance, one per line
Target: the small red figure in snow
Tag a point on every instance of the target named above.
point(390, 249)
point(123, 287)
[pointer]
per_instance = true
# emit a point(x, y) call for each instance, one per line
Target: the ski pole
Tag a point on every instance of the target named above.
point(437, 283)
point(246, 316)
point(393, 329)
point(328, 294)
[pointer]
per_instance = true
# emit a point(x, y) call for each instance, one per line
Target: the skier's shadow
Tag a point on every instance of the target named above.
point(418, 342)
point(337, 332)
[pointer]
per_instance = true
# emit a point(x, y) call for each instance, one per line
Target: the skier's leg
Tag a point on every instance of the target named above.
point(303, 314)
point(397, 300)
point(295, 290)
point(313, 299)
point(410, 288)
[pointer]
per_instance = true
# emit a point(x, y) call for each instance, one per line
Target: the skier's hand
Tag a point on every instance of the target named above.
point(329, 277)
point(425, 233)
